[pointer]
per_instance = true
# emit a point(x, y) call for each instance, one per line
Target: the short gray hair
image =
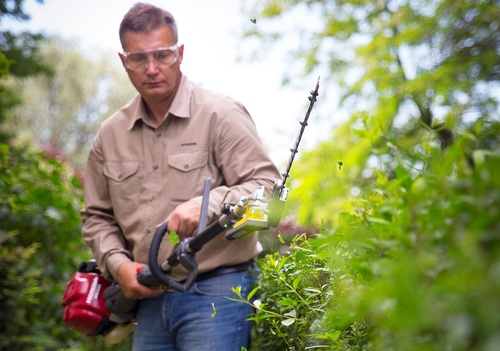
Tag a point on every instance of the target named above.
point(144, 18)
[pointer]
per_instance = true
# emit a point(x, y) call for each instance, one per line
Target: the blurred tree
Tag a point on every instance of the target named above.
point(412, 74)
point(19, 57)
point(63, 111)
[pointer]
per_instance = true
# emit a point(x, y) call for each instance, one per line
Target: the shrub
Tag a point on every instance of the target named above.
point(417, 263)
point(291, 298)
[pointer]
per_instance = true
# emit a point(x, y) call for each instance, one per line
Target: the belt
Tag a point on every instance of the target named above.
point(225, 270)
point(219, 271)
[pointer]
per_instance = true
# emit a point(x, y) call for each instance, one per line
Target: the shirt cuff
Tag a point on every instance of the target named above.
point(114, 261)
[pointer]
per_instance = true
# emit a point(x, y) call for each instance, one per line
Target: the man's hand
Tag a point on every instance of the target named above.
point(184, 219)
point(127, 278)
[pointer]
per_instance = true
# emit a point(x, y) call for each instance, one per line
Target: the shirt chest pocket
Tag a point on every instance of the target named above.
point(187, 174)
point(124, 184)
point(188, 162)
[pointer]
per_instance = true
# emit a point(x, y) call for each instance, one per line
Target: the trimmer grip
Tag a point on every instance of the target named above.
point(145, 277)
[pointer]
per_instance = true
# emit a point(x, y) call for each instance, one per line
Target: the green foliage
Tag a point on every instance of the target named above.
point(19, 291)
point(411, 264)
point(400, 66)
point(19, 57)
point(7, 97)
point(419, 258)
point(23, 51)
point(291, 299)
point(40, 246)
point(412, 213)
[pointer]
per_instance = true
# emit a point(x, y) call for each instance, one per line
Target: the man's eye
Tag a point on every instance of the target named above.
point(163, 54)
point(137, 58)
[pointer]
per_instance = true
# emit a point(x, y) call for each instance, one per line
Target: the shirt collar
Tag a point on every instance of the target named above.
point(138, 111)
point(182, 100)
point(179, 108)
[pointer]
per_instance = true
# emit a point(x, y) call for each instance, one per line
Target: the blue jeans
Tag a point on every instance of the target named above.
point(200, 319)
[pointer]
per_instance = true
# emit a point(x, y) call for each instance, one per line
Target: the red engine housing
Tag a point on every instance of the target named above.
point(84, 306)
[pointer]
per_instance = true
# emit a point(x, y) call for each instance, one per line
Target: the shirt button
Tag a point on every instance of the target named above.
point(186, 166)
point(158, 135)
point(148, 231)
point(155, 167)
point(120, 176)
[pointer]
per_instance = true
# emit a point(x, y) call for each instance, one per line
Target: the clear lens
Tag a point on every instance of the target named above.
point(160, 56)
point(166, 57)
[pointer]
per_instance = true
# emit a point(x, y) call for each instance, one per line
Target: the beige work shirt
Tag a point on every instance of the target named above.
point(136, 174)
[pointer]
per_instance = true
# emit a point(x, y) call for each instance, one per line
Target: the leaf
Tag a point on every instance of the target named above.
point(252, 293)
point(296, 282)
point(316, 291)
point(281, 262)
point(280, 238)
point(378, 220)
point(264, 316)
point(287, 301)
point(287, 322)
point(237, 290)
point(292, 313)
point(53, 213)
point(214, 313)
point(174, 238)
point(258, 304)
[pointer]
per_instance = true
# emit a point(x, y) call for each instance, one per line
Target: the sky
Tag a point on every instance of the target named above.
point(211, 33)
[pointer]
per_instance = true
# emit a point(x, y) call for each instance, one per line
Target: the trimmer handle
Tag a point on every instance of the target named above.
point(184, 257)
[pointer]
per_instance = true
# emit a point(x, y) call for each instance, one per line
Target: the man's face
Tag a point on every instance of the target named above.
point(157, 78)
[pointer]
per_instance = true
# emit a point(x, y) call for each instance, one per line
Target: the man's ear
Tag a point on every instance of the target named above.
point(122, 59)
point(180, 50)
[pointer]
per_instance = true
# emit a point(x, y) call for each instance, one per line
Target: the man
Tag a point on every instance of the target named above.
point(147, 165)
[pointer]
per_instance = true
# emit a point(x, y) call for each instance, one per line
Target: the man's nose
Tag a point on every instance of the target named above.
point(151, 65)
